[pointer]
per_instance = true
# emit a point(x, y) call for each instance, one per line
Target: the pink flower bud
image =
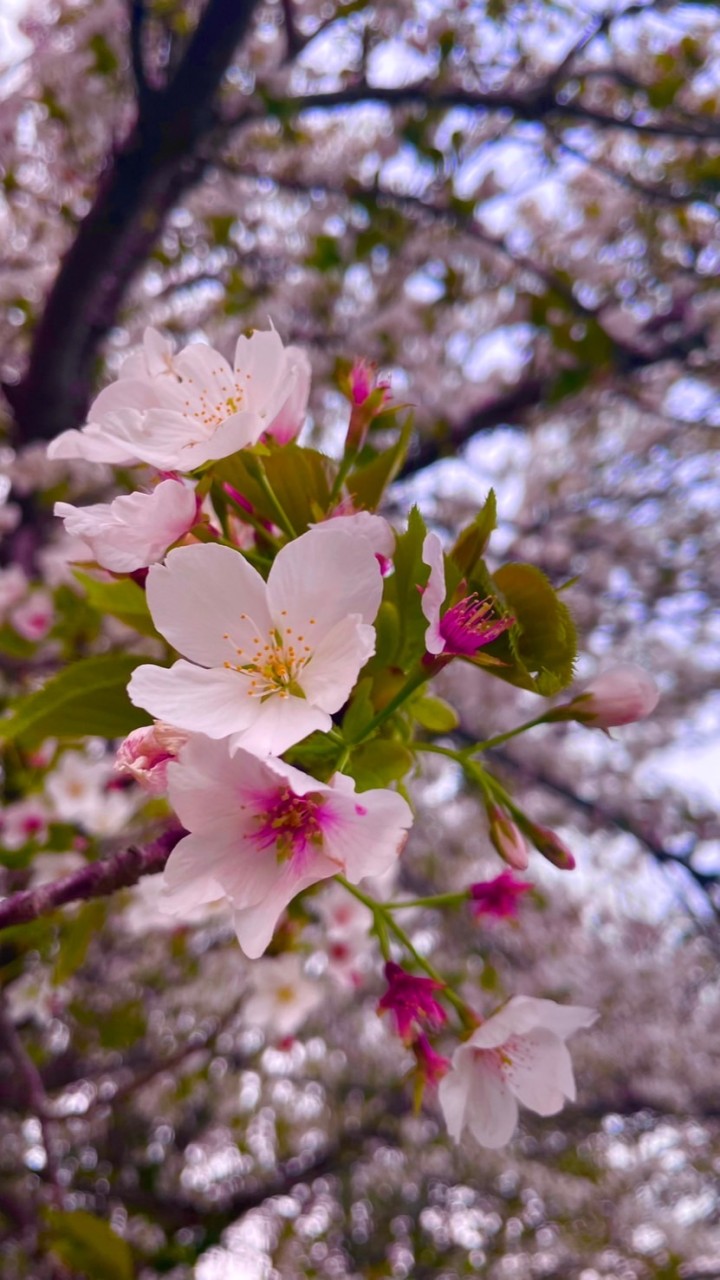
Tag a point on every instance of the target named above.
point(146, 752)
point(507, 839)
point(617, 696)
point(410, 1000)
point(368, 396)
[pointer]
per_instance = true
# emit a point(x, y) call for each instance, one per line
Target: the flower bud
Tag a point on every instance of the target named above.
point(617, 696)
point(367, 396)
point(146, 752)
point(507, 839)
point(548, 843)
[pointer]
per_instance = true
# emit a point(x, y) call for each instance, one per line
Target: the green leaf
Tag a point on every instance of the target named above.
point(77, 934)
point(402, 590)
point(379, 762)
point(368, 482)
point(435, 714)
point(361, 710)
point(542, 646)
point(472, 542)
point(122, 599)
point(387, 635)
point(90, 697)
point(14, 645)
point(300, 478)
point(88, 1245)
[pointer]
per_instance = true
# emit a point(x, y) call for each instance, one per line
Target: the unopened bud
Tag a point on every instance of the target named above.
point(146, 753)
point(507, 839)
point(549, 844)
point(620, 695)
point(367, 397)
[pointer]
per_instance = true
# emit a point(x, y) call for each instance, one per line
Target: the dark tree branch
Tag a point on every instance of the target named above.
point(138, 22)
point(96, 880)
point(157, 162)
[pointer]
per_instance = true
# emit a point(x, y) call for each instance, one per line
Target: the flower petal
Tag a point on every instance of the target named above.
point(198, 597)
point(432, 598)
point(324, 577)
point(524, 1013)
point(540, 1072)
point(189, 697)
point(278, 724)
point(332, 671)
point(370, 832)
point(255, 925)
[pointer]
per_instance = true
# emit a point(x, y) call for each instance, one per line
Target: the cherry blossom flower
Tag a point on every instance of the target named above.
point(282, 996)
point(617, 696)
point(466, 625)
point(34, 616)
point(205, 411)
point(518, 1055)
point(410, 1000)
point(261, 832)
point(136, 529)
point(23, 821)
point(77, 792)
point(498, 897)
point(269, 662)
point(291, 418)
point(146, 752)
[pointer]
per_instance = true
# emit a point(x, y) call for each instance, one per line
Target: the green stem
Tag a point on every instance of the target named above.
point(383, 923)
point(342, 472)
point(512, 733)
point(411, 684)
point(436, 900)
point(279, 512)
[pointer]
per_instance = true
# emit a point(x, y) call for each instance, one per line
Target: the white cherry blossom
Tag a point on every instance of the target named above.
point(517, 1055)
point(136, 529)
point(282, 996)
point(204, 410)
point(261, 831)
point(268, 662)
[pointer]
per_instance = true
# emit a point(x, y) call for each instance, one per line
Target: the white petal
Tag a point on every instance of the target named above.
point(326, 578)
point(472, 1095)
point(524, 1013)
point(540, 1072)
point(433, 596)
point(189, 697)
point(255, 925)
point(92, 444)
point(339, 655)
point(188, 880)
point(363, 524)
point(207, 378)
point(369, 833)
point(261, 369)
point(278, 723)
point(197, 597)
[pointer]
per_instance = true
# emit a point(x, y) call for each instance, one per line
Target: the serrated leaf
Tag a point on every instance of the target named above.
point(471, 543)
point(403, 590)
point(88, 1245)
point(122, 599)
point(542, 646)
point(90, 697)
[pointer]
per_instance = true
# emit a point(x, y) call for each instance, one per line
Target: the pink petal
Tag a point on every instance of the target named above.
point(209, 702)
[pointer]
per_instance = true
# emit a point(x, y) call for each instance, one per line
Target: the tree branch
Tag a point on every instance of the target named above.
point(96, 880)
point(156, 163)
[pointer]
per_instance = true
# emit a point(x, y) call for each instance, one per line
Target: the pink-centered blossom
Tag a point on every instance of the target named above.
point(136, 529)
point(620, 695)
point(498, 897)
point(465, 626)
point(268, 662)
point(261, 831)
point(411, 1001)
point(33, 617)
point(517, 1055)
point(197, 410)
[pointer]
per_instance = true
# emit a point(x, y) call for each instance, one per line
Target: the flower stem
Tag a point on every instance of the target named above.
point(412, 683)
point(383, 923)
point(435, 900)
point(279, 512)
point(545, 718)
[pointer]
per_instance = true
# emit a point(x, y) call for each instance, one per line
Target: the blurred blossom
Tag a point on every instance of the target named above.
point(282, 996)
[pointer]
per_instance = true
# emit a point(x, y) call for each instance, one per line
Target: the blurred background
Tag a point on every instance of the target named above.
point(514, 210)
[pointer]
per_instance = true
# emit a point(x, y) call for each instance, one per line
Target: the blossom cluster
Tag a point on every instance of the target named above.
point(296, 633)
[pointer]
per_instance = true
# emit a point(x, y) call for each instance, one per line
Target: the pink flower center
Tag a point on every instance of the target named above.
point(467, 626)
point(293, 825)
